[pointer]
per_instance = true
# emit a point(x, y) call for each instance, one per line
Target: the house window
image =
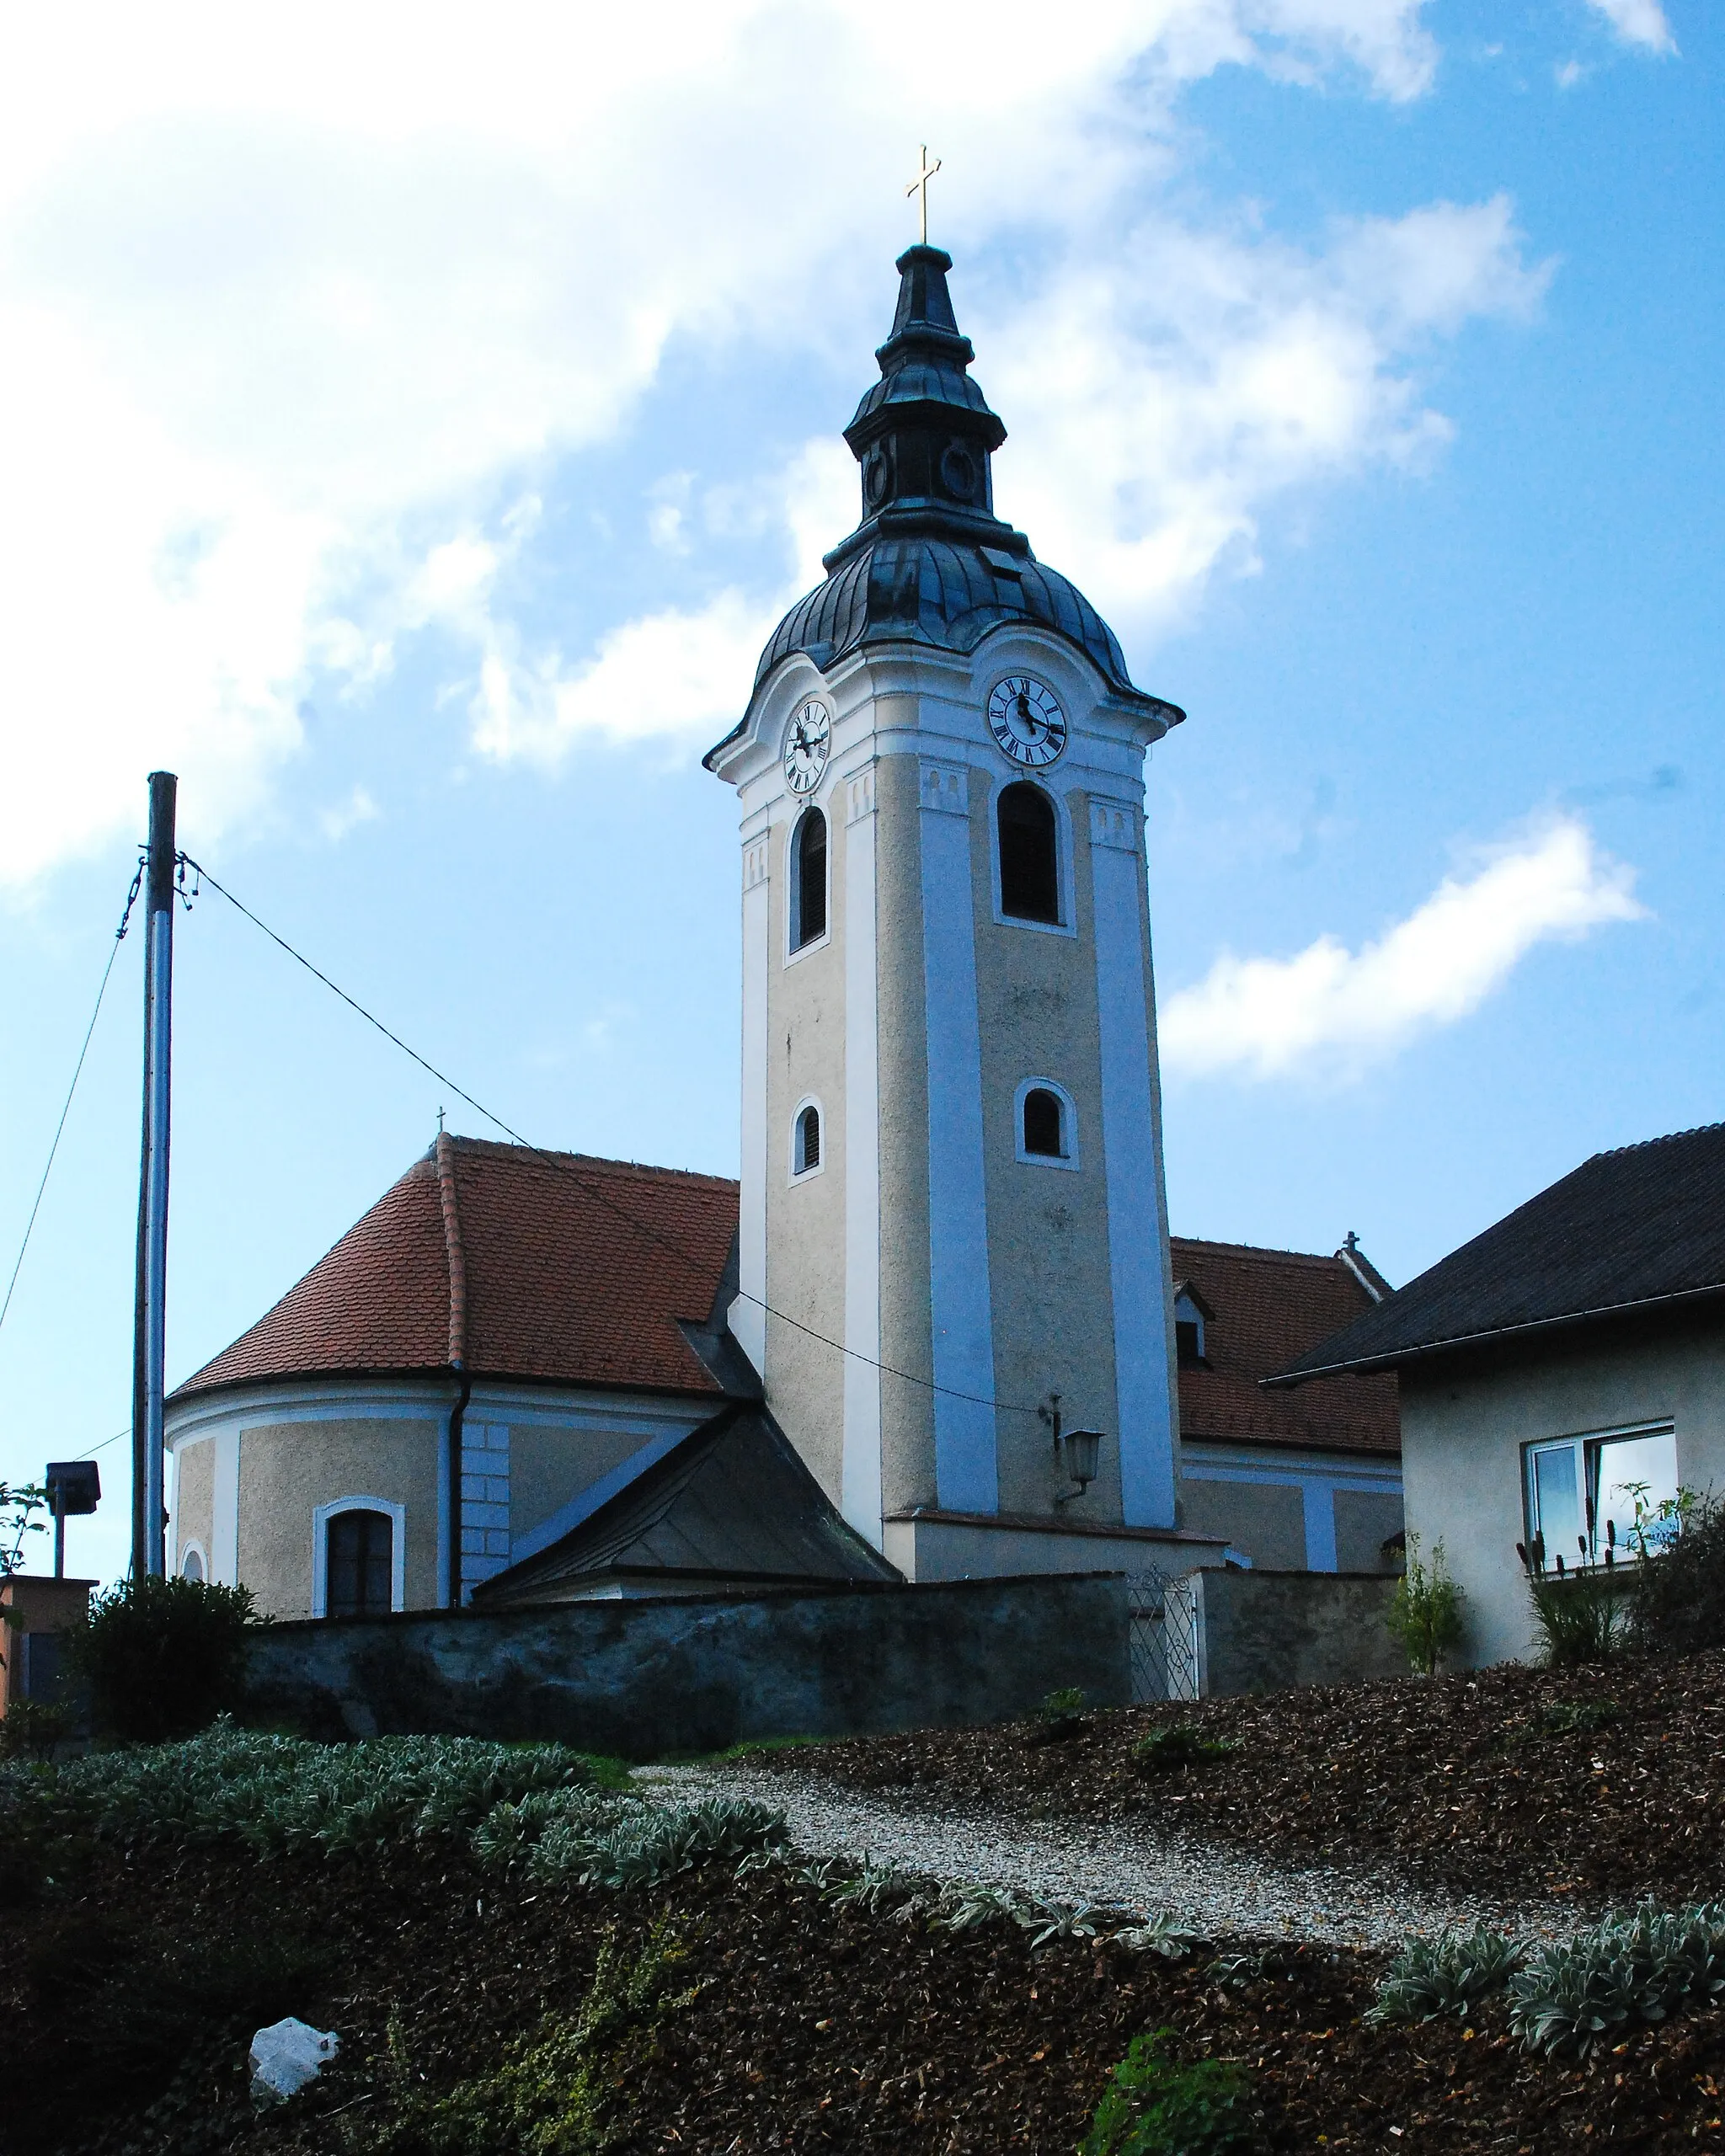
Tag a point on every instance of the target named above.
point(1044, 1125)
point(1189, 1332)
point(1030, 876)
point(806, 1145)
point(360, 1564)
point(808, 880)
point(1584, 1494)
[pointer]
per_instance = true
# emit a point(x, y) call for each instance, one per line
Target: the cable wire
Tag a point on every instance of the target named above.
point(561, 1163)
point(78, 1072)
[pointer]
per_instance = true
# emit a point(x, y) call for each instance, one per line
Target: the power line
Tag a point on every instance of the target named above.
point(78, 1072)
point(564, 1166)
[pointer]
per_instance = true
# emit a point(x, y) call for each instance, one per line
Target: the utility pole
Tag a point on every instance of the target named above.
point(149, 1334)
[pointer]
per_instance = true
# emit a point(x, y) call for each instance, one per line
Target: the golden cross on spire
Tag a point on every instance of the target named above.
point(920, 185)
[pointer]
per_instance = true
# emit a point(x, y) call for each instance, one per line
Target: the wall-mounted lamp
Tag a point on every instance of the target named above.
point(1075, 1450)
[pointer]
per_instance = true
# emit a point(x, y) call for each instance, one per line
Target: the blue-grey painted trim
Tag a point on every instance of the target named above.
point(583, 1506)
point(1137, 1233)
point(962, 1324)
point(1317, 1505)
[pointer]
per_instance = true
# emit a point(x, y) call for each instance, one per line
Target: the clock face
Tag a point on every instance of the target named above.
point(807, 740)
point(1025, 718)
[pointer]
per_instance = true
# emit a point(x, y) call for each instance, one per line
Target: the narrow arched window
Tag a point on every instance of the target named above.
point(360, 1564)
point(806, 1149)
point(1030, 876)
point(1044, 1125)
point(191, 1566)
point(808, 880)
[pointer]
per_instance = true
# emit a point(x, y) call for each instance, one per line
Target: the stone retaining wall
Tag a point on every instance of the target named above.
point(642, 1678)
point(1270, 1631)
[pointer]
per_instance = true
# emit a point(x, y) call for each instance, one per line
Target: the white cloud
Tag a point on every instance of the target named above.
point(1330, 1009)
point(348, 815)
point(289, 303)
point(1638, 22)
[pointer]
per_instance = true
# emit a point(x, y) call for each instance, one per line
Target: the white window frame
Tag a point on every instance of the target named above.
point(193, 1548)
point(1065, 877)
point(793, 1173)
point(321, 1516)
point(1069, 1124)
point(789, 957)
point(1579, 1443)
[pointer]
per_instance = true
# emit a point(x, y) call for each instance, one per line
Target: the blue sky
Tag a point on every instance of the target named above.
point(414, 422)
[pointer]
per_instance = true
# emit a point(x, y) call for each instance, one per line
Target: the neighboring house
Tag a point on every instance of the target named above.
point(1310, 1481)
point(505, 1344)
point(1567, 1361)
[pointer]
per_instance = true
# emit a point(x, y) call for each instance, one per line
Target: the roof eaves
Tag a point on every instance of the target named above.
point(1397, 1358)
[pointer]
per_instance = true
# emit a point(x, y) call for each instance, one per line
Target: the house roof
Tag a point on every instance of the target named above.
point(508, 1262)
point(1262, 1307)
point(730, 1503)
point(1632, 1230)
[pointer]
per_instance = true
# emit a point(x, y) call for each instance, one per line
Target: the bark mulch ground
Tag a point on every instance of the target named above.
point(1472, 1784)
point(128, 1991)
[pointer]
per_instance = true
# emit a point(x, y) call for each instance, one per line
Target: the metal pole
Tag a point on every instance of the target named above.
point(149, 1335)
point(59, 1542)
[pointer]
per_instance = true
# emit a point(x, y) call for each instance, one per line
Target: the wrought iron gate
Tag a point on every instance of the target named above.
point(1165, 1625)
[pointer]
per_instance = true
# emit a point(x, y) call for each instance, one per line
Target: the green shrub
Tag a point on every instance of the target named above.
point(163, 1658)
point(1155, 2106)
point(33, 1729)
point(1425, 1611)
point(1581, 1616)
point(1572, 1997)
point(1679, 1604)
point(1449, 1974)
point(1178, 1744)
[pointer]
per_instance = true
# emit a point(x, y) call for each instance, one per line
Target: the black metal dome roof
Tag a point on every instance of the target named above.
point(930, 563)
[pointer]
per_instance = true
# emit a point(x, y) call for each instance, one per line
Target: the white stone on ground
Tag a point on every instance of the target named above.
point(287, 2055)
point(1217, 1893)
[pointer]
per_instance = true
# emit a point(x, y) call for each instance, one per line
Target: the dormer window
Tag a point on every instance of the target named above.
point(1190, 1317)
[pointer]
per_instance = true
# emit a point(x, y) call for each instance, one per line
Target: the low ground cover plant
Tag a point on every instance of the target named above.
point(1177, 1744)
point(1582, 1717)
point(1449, 1974)
point(1155, 2106)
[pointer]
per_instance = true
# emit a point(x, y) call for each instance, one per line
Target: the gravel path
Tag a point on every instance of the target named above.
point(1219, 1894)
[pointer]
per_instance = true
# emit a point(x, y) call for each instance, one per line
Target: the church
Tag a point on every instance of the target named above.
point(935, 1330)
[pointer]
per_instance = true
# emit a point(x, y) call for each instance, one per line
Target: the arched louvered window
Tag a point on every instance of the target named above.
point(808, 880)
point(805, 1152)
point(1030, 872)
point(1044, 1125)
point(360, 1564)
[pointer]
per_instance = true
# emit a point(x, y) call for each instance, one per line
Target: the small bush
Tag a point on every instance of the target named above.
point(1572, 1997)
point(33, 1729)
point(1449, 1974)
point(163, 1658)
point(1678, 1605)
point(1583, 1717)
point(1581, 1616)
point(1179, 1744)
point(1425, 1611)
point(1155, 2106)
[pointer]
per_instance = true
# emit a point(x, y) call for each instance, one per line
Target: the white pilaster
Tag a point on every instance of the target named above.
point(966, 1474)
point(748, 1314)
point(860, 1497)
point(1137, 1231)
point(224, 1507)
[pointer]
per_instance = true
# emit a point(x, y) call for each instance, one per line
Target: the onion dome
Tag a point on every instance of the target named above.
point(930, 563)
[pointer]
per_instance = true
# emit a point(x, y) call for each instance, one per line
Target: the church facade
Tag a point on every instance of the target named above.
point(934, 1332)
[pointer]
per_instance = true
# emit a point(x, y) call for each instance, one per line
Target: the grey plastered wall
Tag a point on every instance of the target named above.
point(193, 1498)
point(1463, 1427)
point(547, 1466)
point(907, 1415)
point(1264, 1521)
point(644, 1678)
point(805, 1221)
point(1365, 1523)
point(1271, 1631)
point(286, 1470)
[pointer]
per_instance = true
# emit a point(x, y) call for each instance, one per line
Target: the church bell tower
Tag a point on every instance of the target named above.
point(953, 1221)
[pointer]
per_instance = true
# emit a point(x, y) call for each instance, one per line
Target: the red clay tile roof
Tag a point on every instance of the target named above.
point(573, 1272)
point(1270, 1305)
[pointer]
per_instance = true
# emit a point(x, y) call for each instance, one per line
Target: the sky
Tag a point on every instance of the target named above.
point(415, 420)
